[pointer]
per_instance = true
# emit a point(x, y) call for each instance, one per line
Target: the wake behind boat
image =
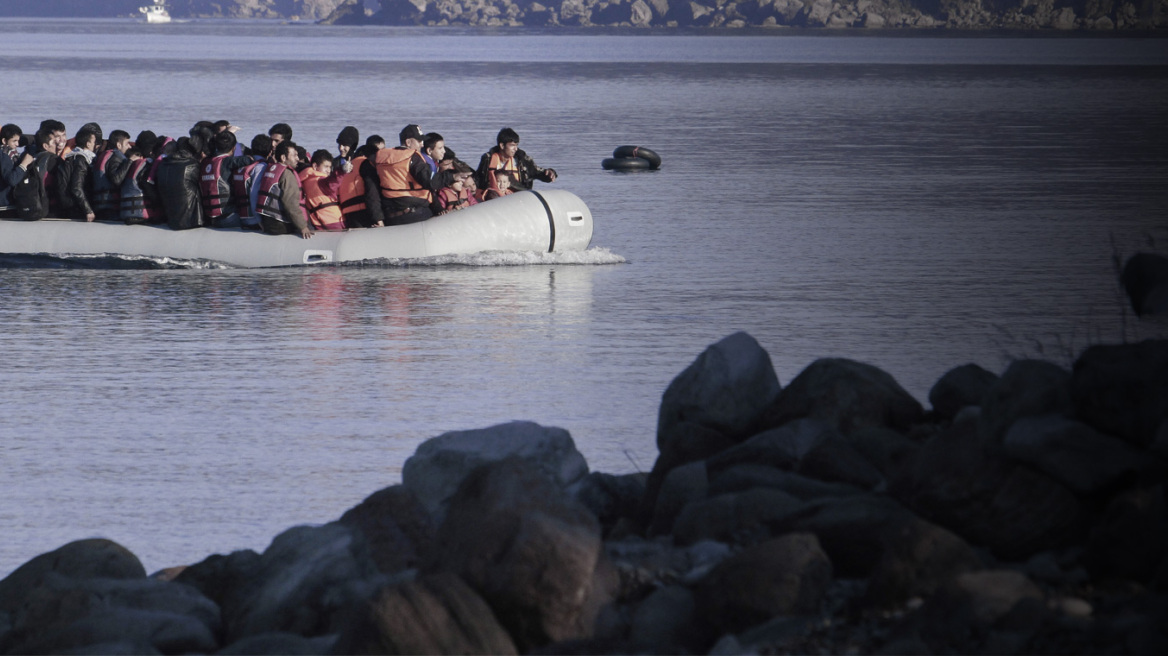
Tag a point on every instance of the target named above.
point(550, 221)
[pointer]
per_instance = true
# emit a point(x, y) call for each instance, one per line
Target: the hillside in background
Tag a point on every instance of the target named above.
point(1102, 15)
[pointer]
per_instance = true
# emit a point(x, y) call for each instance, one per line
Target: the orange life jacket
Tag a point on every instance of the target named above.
point(452, 200)
point(497, 163)
point(393, 174)
point(352, 193)
point(324, 212)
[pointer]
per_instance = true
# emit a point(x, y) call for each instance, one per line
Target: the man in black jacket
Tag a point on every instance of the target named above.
point(177, 181)
point(74, 184)
point(506, 156)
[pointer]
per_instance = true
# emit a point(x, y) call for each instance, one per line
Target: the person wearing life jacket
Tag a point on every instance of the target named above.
point(506, 156)
point(407, 187)
point(74, 184)
point(109, 171)
point(359, 194)
point(46, 163)
point(280, 132)
point(14, 163)
point(177, 181)
point(456, 196)
point(134, 208)
point(215, 181)
point(321, 183)
point(503, 186)
point(280, 203)
point(244, 191)
point(163, 148)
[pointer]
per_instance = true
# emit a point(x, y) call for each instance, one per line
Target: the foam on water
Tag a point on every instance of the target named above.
point(502, 258)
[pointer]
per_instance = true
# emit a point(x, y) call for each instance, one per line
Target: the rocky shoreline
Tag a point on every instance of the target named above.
point(1101, 15)
point(1022, 513)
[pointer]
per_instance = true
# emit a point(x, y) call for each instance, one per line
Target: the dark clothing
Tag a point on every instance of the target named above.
point(46, 164)
point(527, 172)
point(75, 185)
point(372, 214)
point(177, 182)
point(411, 209)
point(107, 185)
point(10, 174)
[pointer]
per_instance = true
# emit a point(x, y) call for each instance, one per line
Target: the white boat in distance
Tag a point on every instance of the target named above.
point(547, 221)
point(156, 13)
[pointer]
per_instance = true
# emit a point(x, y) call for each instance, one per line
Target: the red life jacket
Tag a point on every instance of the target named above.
point(451, 200)
point(105, 197)
point(133, 205)
point(214, 191)
point(394, 177)
point(352, 193)
point(241, 183)
point(268, 201)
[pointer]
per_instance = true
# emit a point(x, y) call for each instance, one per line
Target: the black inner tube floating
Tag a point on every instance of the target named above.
point(632, 158)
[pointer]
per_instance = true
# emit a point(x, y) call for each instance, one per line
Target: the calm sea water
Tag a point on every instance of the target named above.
point(913, 202)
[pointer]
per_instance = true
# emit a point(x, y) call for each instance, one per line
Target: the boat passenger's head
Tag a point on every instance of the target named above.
point(10, 136)
point(261, 146)
point(508, 141)
point(145, 142)
point(347, 140)
point(119, 140)
point(502, 180)
point(280, 132)
point(285, 153)
point(322, 162)
point(434, 146)
point(86, 138)
point(375, 142)
point(56, 129)
point(412, 137)
point(223, 143)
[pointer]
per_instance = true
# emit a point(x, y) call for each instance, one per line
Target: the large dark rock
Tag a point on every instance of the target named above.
point(741, 517)
point(916, 558)
point(727, 389)
point(527, 548)
point(958, 617)
point(83, 559)
point(784, 576)
point(667, 621)
point(220, 578)
point(963, 386)
point(145, 630)
point(687, 442)
point(806, 446)
point(1145, 279)
point(610, 498)
point(850, 529)
point(1015, 511)
point(1076, 455)
point(887, 450)
point(437, 614)
point(439, 464)
point(740, 478)
point(275, 643)
point(305, 581)
point(846, 395)
point(683, 485)
point(1122, 390)
point(1130, 539)
point(55, 614)
point(1028, 388)
point(396, 527)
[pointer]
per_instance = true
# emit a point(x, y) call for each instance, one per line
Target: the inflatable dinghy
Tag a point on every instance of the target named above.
point(545, 221)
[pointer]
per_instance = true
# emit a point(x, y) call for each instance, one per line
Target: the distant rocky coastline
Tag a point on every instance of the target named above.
point(1024, 513)
point(1102, 15)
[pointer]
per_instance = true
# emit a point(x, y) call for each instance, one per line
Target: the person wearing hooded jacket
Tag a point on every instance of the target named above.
point(74, 184)
point(177, 181)
point(347, 142)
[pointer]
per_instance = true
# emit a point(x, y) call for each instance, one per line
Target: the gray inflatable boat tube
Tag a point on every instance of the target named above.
point(549, 221)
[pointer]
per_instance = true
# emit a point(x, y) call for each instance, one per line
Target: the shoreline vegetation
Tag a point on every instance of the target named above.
point(1023, 15)
point(1024, 513)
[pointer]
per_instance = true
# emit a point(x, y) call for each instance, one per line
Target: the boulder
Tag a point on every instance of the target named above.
point(666, 620)
point(222, 578)
point(438, 614)
point(872, 20)
point(727, 389)
point(817, 13)
point(886, 450)
point(1015, 511)
point(527, 548)
point(1076, 455)
point(440, 464)
point(850, 529)
point(610, 498)
point(916, 558)
point(275, 643)
point(396, 527)
point(1130, 539)
point(1145, 280)
point(963, 609)
point(960, 387)
point(145, 630)
point(83, 559)
point(784, 576)
point(688, 442)
point(1122, 390)
point(304, 582)
point(742, 517)
point(682, 486)
point(846, 395)
point(1064, 19)
point(1028, 388)
point(806, 446)
point(740, 478)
